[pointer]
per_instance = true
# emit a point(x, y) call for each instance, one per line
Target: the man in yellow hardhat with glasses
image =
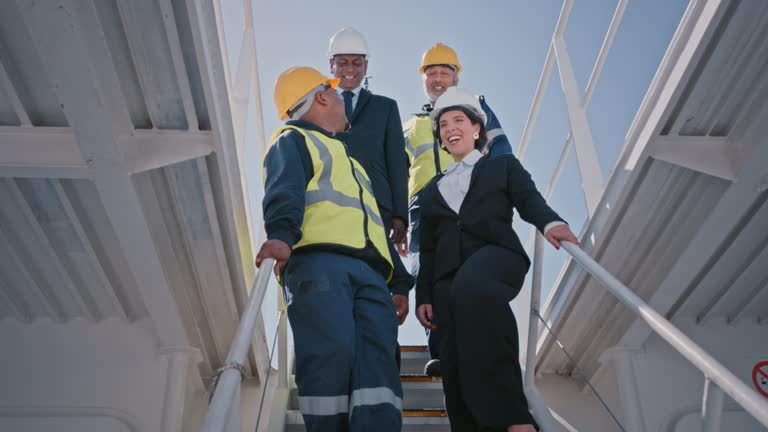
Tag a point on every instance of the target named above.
point(329, 243)
point(439, 71)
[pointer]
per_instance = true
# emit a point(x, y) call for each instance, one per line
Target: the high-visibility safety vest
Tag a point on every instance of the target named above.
point(339, 208)
point(425, 156)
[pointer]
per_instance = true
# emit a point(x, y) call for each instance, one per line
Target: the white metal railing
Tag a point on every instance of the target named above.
point(244, 94)
point(589, 168)
point(718, 379)
point(221, 410)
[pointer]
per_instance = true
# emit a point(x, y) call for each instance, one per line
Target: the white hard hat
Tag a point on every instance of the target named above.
point(455, 97)
point(348, 41)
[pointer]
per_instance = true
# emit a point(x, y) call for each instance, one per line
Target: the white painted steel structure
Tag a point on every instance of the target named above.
point(707, 33)
point(126, 240)
point(713, 371)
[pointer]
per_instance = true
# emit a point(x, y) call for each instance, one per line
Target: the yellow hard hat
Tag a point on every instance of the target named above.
point(439, 54)
point(294, 84)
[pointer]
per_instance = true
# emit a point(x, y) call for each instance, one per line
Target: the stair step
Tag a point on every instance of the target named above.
point(414, 348)
point(425, 412)
point(434, 422)
point(419, 378)
point(412, 362)
point(415, 395)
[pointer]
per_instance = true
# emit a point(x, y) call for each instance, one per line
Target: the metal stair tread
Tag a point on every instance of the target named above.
point(425, 412)
point(419, 378)
point(433, 416)
point(414, 348)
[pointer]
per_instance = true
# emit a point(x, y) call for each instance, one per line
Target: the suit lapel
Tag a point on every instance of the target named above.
point(362, 100)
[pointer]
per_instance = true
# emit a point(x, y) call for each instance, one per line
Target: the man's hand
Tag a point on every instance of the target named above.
point(277, 249)
point(560, 233)
point(401, 306)
point(400, 236)
point(425, 317)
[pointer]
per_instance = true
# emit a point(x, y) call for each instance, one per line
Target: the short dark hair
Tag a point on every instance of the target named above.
point(480, 142)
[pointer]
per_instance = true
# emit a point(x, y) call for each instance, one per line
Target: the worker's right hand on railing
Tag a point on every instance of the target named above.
point(277, 249)
point(425, 317)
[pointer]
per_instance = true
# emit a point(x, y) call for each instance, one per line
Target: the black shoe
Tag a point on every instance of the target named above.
point(432, 368)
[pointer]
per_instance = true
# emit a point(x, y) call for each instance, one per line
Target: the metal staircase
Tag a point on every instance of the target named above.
point(423, 408)
point(694, 64)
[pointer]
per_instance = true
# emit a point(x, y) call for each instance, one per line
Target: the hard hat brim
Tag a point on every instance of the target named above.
point(364, 54)
point(333, 82)
point(456, 68)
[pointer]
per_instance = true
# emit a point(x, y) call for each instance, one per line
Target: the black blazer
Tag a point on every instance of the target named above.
point(377, 142)
point(447, 239)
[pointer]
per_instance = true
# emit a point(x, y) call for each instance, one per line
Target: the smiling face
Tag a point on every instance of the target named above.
point(351, 68)
point(437, 79)
point(457, 133)
point(336, 107)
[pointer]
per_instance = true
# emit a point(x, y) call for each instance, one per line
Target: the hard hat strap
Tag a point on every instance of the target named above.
point(298, 110)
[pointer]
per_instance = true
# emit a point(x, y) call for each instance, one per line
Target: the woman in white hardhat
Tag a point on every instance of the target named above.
point(473, 264)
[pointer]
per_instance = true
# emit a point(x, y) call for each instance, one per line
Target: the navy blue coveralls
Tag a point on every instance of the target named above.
point(340, 309)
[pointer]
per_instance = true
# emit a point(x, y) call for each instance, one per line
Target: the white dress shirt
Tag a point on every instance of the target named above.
point(356, 91)
point(455, 183)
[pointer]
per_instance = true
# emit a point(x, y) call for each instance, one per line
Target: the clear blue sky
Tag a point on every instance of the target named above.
point(501, 45)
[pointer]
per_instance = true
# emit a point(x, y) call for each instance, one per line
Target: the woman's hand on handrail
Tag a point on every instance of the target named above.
point(560, 233)
point(425, 317)
point(277, 249)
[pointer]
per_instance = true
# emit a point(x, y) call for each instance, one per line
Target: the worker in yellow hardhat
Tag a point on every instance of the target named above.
point(439, 71)
point(326, 235)
point(376, 141)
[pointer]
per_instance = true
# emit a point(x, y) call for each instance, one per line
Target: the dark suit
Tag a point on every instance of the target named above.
point(472, 265)
point(377, 142)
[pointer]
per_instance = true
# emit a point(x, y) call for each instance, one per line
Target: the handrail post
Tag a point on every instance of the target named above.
point(232, 372)
point(712, 406)
point(533, 323)
point(540, 409)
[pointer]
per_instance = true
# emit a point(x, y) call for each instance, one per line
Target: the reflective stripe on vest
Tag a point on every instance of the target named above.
point(325, 191)
point(339, 207)
point(420, 146)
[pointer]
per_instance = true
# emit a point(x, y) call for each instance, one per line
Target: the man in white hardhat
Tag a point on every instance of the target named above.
point(376, 141)
point(439, 71)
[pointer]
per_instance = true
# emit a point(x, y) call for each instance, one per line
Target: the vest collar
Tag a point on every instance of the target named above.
point(303, 124)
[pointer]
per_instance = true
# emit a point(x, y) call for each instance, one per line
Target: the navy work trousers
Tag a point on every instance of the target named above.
point(345, 332)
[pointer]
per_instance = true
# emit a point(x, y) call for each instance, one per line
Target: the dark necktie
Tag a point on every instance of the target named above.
point(348, 108)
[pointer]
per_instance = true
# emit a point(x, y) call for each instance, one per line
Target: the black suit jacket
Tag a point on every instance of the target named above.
point(447, 239)
point(377, 142)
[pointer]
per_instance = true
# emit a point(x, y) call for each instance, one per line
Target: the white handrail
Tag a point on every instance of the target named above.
point(228, 382)
point(712, 369)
